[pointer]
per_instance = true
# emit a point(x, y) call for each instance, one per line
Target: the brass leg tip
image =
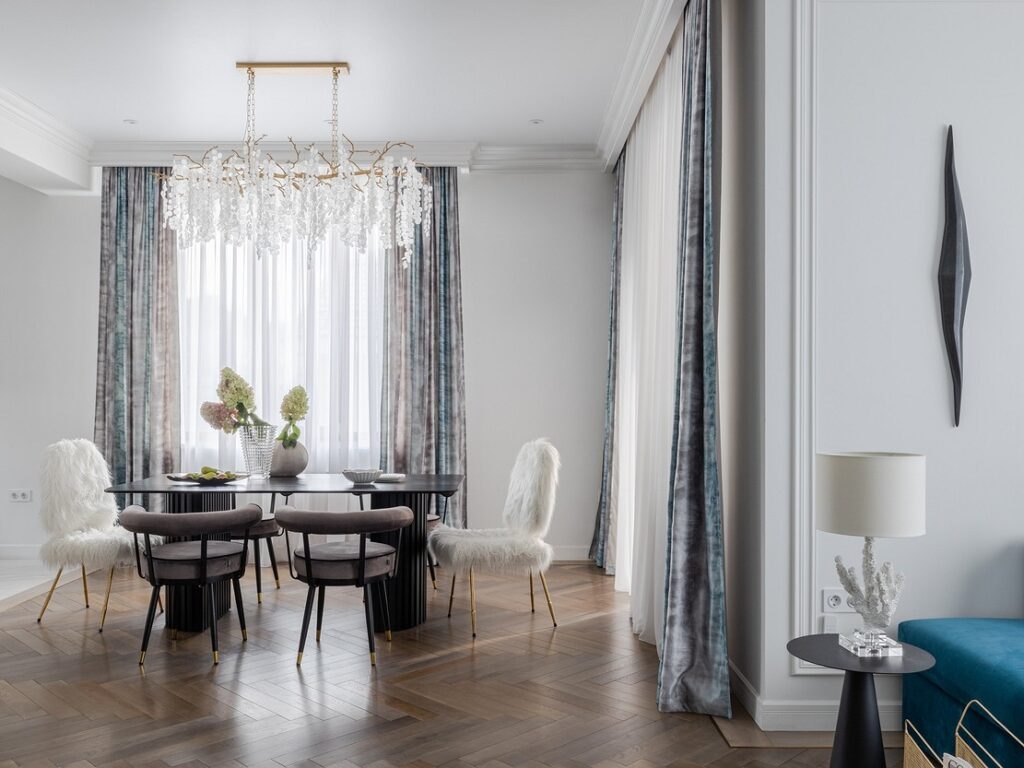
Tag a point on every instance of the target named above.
point(142, 658)
point(387, 635)
point(318, 635)
point(259, 598)
point(298, 659)
point(278, 583)
point(434, 583)
point(373, 659)
point(245, 636)
point(216, 657)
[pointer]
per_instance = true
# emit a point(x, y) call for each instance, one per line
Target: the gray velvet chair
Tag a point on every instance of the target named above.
point(195, 558)
point(363, 564)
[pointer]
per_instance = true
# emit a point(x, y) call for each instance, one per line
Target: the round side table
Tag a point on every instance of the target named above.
point(858, 739)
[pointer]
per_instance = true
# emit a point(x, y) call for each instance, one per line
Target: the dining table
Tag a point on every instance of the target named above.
point(407, 590)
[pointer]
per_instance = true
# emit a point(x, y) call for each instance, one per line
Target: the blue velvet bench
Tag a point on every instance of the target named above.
point(974, 659)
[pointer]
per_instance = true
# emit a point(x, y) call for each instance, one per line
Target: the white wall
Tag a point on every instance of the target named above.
point(536, 251)
point(857, 97)
point(49, 256)
point(740, 337)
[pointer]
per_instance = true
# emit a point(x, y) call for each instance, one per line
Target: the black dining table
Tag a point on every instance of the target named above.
point(407, 591)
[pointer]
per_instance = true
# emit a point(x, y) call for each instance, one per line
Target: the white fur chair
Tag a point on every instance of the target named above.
point(518, 548)
point(80, 518)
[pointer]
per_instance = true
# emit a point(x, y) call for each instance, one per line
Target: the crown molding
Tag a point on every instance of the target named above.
point(652, 34)
point(536, 158)
point(38, 150)
point(466, 155)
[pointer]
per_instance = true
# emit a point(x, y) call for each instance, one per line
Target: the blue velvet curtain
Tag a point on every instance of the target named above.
point(602, 547)
point(138, 419)
point(694, 671)
point(423, 412)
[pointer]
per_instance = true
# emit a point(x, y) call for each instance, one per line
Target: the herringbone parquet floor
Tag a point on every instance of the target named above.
point(520, 696)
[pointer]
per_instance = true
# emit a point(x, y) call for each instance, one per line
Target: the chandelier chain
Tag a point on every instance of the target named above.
point(250, 114)
point(335, 148)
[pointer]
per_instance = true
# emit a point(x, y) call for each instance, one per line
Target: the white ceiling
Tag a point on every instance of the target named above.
point(444, 70)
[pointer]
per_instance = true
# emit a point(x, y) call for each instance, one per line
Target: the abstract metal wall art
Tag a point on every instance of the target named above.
point(954, 277)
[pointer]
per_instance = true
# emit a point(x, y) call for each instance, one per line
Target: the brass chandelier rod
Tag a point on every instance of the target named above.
point(294, 67)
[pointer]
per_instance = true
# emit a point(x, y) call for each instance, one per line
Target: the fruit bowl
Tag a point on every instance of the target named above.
point(361, 476)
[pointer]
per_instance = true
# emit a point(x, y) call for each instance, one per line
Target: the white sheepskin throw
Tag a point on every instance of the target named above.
point(493, 549)
point(519, 548)
point(76, 512)
point(531, 489)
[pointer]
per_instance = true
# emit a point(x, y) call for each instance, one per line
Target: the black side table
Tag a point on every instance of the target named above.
point(858, 740)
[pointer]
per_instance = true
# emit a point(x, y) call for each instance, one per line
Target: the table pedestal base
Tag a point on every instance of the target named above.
point(407, 591)
point(858, 740)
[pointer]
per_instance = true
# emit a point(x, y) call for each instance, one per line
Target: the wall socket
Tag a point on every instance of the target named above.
point(19, 495)
point(833, 600)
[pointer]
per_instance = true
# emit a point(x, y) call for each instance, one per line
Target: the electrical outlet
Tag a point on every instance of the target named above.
point(834, 601)
point(19, 495)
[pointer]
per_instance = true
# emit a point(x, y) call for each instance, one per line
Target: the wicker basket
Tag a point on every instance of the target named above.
point(917, 753)
point(970, 748)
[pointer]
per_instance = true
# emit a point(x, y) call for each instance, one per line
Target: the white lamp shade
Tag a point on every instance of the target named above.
point(870, 494)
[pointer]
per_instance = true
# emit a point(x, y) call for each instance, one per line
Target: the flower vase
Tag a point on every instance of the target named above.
point(288, 462)
point(258, 448)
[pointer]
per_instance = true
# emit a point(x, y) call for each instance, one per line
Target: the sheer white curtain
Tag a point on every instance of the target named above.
point(281, 321)
point(646, 347)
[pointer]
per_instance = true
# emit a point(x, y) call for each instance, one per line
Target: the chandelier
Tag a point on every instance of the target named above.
point(251, 196)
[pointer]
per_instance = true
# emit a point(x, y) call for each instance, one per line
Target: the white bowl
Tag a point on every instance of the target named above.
point(361, 476)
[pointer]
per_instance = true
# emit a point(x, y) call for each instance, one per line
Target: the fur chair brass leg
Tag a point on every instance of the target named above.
point(85, 586)
point(451, 597)
point(160, 603)
point(551, 608)
point(533, 608)
point(49, 594)
point(106, 600)
point(472, 601)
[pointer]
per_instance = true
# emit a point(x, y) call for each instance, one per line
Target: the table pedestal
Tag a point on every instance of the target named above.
point(185, 610)
point(407, 591)
point(858, 740)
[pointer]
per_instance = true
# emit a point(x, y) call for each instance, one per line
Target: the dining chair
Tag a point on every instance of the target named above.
point(518, 548)
point(80, 517)
point(362, 564)
point(195, 558)
point(266, 530)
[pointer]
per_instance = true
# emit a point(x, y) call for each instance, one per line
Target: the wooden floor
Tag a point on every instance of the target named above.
point(521, 695)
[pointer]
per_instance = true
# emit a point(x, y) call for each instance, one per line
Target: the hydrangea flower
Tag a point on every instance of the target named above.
point(219, 416)
point(294, 407)
point(235, 392)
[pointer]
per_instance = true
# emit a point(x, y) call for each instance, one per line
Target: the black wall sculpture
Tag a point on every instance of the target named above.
point(954, 277)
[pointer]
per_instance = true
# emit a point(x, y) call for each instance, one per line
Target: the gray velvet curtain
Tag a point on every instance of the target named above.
point(694, 672)
point(423, 412)
point(602, 547)
point(138, 416)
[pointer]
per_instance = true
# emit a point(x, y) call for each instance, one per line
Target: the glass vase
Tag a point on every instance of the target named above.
point(258, 448)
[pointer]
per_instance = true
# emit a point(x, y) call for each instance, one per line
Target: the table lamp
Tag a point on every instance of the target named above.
point(871, 495)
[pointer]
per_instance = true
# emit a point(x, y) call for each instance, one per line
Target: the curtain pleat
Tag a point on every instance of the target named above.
point(694, 670)
point(137, 380)
point(423, 414)
point(602, 547)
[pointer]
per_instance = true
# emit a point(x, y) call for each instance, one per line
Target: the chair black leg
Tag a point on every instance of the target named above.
point(320, 611)
point(150, 615)
point(211, 601)
point(382, 592)
point(368, 605)
point(273, 561)
point(259, 571)
point(305, 622)
point(238, 605)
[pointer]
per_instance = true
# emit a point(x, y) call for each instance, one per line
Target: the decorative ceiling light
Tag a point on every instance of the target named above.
point(251, 196)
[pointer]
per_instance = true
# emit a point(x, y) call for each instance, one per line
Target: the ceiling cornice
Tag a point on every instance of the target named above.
point(38, 150)
point(536, 157)
point(651, 37)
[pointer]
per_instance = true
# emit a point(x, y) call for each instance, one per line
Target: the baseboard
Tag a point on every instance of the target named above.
point(802, 715)
point(19, 552)
point(568, 553)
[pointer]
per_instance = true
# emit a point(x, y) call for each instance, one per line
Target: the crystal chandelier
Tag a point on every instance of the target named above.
point(251, 196)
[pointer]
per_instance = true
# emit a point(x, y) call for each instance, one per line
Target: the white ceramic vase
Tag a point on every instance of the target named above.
point(288, 462)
